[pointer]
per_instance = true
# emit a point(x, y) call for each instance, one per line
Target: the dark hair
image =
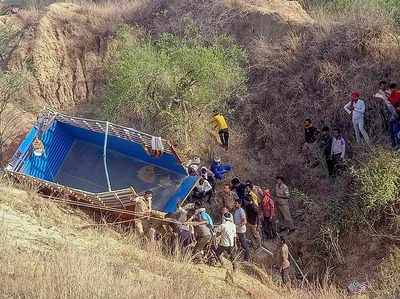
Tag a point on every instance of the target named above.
point(198, 204)
point(337, 130)
point(250, 185)
point(283, 240)
point(238, 200)
point(235, 181)
point(325, 129)
point(308, 120)
point(148, 192)
point(280, 178)
point(382, 82)
point(393, 85)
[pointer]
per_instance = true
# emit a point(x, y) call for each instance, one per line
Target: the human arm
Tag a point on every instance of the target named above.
point(343, 149)
point(347, 107)
point(195, 223)
point(272, 207)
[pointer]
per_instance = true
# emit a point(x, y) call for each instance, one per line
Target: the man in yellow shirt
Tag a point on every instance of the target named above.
point(223, 132)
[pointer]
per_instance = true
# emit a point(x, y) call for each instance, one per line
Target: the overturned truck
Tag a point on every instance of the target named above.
point(99, 163)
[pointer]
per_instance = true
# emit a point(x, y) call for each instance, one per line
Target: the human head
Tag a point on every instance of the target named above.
point(198, 205)
point(203, 170)
point(393, 86)
point(325, 131)
point(383, 85)
point(336, 132)
point(227, 188)
point(224, 210)
point(193, 169)
point(235, 182)
point(307, 122)
point(280, 180)
point(355, 96)
point(238, 203)
point(217, 160)
point(282, 241)
point(201, 181)
point(249, 187)
point(148, 194)
point(228, 217)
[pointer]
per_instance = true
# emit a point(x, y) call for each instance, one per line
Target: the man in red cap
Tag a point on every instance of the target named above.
point(356, 108)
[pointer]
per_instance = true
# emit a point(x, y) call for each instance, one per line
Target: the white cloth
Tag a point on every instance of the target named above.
point(358, 125)
point(338, 146)
point(156, 144)
point(205, 187)
point(228, 233)
point(359, 109)
point(380, 96)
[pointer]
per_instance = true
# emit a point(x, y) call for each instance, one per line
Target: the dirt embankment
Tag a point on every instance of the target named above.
point(65, 52)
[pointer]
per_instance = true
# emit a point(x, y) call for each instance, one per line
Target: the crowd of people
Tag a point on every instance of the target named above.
point(321, 145)
point(250, 215)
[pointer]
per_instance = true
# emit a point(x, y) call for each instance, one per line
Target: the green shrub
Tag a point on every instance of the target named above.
point(170, 83)
point(376, 181)
point(373, 189)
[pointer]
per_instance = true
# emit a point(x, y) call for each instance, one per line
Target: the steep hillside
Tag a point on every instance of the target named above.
point(50, 251)
point(300, 66)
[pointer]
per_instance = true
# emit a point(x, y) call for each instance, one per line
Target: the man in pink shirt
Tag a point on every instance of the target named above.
point(267, 208)
point(337, 152)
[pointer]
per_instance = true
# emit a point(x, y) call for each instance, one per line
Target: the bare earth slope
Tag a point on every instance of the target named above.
point(48, 251)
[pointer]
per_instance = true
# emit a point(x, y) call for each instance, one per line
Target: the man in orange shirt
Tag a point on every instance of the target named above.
point(223, 132)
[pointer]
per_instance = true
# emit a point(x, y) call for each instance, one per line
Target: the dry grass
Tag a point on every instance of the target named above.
point(98, 262)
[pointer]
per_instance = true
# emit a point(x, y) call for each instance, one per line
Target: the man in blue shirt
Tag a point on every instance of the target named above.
point(240, 220)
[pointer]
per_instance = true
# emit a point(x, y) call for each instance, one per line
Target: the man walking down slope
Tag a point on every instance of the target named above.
point(223, 132)
point(356, 108)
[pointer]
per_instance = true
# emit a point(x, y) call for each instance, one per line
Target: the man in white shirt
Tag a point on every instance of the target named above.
point(228, 234)
point(356, 108)
point(203, 191)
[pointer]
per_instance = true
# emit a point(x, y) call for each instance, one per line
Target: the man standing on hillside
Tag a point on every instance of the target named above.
point(203, 191)
point(267, 208)
point(309, 148)
point(325, 144)
point(252, 220)
point(337, 151)
point(284, 264)
point(143, 207)
point(240, 220)
point(282, 204)
point(227, 242)
point(356, 108)
point(228, 198)
point(223, 130)
point(202, 233)
point(392, 119)
point(394, 97)
point(249, 191)
point(238, 187)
